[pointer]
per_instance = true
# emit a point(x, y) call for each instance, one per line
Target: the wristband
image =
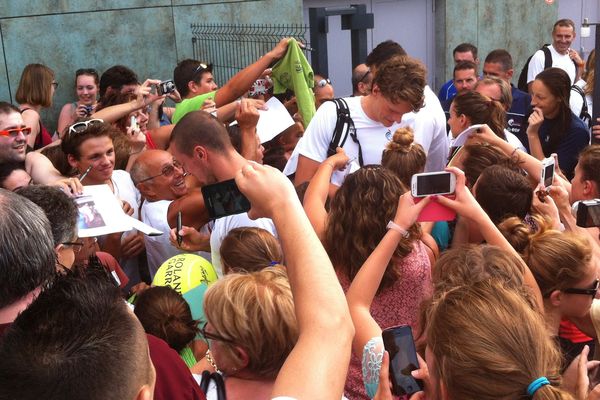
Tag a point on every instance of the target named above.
point(392, 225)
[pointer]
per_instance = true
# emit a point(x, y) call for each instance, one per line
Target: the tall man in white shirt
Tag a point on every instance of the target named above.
point(563, 56)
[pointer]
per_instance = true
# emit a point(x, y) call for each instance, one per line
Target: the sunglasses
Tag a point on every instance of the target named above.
point(213, 336)
point(200, 69)
point(588, 292)
point(14, 132)
point(364, 76)
point(167, 171)
point(82, 126)
point(323, 82)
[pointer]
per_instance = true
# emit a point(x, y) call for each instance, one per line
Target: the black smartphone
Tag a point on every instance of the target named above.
point(588, 213)
point(399, 343)
point(223, 199)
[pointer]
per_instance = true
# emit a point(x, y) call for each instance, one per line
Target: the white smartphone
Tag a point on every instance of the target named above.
point(548, 169)
point(134, 125)
point(429, 183)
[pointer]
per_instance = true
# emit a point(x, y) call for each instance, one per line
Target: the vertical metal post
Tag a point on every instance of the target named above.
point(318, 40)
point(596, 95)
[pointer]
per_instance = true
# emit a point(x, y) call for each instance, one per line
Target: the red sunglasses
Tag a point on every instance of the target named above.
point(15, 132)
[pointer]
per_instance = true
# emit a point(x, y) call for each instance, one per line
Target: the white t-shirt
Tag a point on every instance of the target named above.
point(159, 248)
point(126, 191)
point(429, 126)
point(576, 100)
point(514, 140)
point(221, 228)
point(372, 135)
point(562, 61)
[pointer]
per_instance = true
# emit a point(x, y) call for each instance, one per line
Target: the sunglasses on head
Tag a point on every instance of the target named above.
point(86, 71)
point(82, 126)
point(589, 292)
point(200, 69)
point(364, 76)
point(323, 82)
point(14, 132)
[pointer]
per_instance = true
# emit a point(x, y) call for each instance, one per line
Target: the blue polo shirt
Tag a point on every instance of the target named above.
point(516, 117)
point(448, 91)
point(569, 148)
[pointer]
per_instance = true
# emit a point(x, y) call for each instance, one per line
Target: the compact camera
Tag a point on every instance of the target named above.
point(587, 213)
point(165, 87)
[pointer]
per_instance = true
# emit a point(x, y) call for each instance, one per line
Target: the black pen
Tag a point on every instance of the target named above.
point(179, 238)
point(82, 177)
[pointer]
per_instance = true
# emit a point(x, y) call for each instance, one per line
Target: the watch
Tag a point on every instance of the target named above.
point(392, 225)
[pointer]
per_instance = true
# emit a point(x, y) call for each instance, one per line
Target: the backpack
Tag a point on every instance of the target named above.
point(343, 121)
point(522, 84)
point(584, 115)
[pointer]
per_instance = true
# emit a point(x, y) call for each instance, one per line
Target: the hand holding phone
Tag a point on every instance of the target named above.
point(399, 343)
point(223, 199)
point(548, 170)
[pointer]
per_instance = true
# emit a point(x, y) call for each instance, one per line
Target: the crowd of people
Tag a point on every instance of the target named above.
point(333, 251)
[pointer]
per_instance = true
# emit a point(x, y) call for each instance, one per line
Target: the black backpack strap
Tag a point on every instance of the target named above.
point(342, 116)
point(207, 376)
point(547, 56)
point(584, 115)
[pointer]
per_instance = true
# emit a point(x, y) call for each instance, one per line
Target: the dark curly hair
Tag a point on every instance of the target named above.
point(360, 211)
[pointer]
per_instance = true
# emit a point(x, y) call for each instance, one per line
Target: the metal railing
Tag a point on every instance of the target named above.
point(231, 48)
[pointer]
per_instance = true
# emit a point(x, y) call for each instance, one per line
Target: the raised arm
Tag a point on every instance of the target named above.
point(364, 286)
point(466, 206)
point(317, 366)
point(318, 190)
point(242, 81)
point(144, 98)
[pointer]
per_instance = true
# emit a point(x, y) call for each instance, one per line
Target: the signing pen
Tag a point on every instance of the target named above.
point(82, 177)
point(179, 238)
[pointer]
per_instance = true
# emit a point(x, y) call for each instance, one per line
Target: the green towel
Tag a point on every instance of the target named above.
point(188, 356)
point(293, 72)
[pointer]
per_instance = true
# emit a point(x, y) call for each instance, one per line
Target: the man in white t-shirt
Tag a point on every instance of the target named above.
point(563, 56)
point(161, 180)
point(397, 89)
point(201, 144)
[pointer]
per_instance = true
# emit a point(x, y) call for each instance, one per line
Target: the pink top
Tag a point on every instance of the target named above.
point(395, 305)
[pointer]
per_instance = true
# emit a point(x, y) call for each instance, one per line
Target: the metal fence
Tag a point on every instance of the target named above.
point(230, 47)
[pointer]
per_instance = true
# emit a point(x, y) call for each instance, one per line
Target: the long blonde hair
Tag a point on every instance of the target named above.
point(489, 343)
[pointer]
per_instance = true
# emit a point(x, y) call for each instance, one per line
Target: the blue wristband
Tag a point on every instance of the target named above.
point(535, 385)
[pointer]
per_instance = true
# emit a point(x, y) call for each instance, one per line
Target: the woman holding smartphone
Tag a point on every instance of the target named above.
point(553, 128)
point(361, 213)
point(86, 87)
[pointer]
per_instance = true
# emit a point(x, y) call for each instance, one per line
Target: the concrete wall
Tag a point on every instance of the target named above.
point(519, 26)
point(149, 36)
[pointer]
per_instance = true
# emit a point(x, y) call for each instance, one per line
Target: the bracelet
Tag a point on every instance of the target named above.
point(395, 227)
point(513, 152)
point(330, 164)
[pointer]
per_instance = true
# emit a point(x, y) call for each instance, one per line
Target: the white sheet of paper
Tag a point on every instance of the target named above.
point(100, 213)
point(338, 177)
point(273, 121)
point(464, 135)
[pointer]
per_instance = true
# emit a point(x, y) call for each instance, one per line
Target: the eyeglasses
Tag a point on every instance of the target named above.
point(323, 82)
point(167, 171)
point(75, 245)
point(14, 132)
point(201, 68)
point(213, 336)
point(364, 76)
point(55, 84)
point(82, 126)
point(589, 292)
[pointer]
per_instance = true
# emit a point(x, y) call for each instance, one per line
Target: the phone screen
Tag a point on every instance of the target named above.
point(399, 343)
point(548, 175)
point(588, 215)
point(223, 199)
point(433, 184)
